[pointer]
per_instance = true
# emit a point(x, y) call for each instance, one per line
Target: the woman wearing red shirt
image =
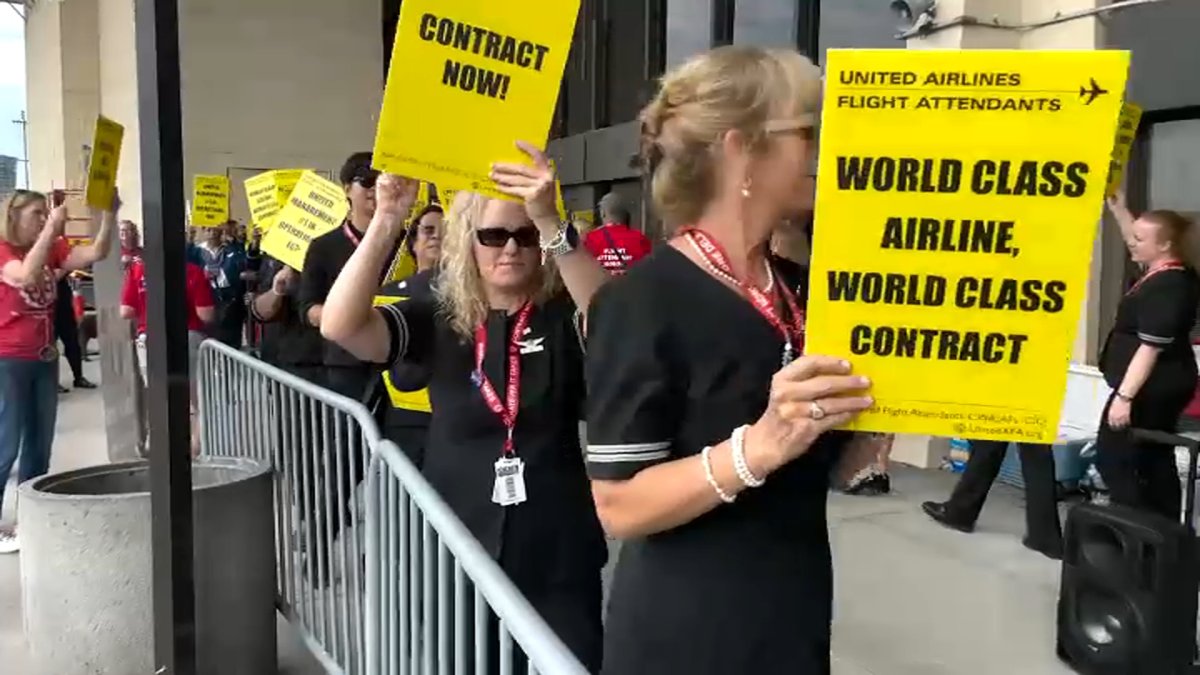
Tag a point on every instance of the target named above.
point(33, 256)
point(201, 312)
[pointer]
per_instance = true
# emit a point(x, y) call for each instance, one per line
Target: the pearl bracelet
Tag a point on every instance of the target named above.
point(706, 459)
point(738, 441)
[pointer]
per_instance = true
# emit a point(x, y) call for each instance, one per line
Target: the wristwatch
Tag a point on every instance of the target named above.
point(564, 242)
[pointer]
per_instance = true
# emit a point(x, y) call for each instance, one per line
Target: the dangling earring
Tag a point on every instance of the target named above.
point(746, 188)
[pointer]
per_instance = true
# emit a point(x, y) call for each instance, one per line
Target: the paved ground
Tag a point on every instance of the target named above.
point(912, 598)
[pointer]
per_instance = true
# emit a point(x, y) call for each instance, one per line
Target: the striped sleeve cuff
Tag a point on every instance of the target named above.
point(398, 330)
point(624, 461)
point(1155, 340)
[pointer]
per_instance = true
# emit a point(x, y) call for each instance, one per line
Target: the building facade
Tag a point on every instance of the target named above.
point(8, 175)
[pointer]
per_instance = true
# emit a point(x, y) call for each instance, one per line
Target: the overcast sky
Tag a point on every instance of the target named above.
point(12, 82)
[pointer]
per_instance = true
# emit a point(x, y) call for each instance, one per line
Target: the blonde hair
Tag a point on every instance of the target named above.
point(729, 88)
point(13, 206)
point(459, 288)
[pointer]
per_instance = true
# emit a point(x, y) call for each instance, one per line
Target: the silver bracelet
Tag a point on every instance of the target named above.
point(706, 458)
point(738, 441)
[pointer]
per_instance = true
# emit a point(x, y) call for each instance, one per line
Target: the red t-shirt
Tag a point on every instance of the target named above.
point(199, 295)
point(617, 246)
point(27, 313)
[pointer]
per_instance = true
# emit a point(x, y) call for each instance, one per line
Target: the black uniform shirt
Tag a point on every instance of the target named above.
point(554, 537)
point(1160, 312)
point(287, 340)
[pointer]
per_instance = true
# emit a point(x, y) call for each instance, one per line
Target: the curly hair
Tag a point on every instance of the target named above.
point(459, 288)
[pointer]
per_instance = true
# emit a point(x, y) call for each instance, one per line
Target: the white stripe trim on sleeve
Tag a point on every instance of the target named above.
point(401, 331)
point(1155, 339)
point(628, 452)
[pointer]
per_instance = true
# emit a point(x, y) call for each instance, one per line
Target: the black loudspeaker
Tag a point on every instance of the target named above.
point(1127, 605)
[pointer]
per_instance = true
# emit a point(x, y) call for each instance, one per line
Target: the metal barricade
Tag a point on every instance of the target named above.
point(319, 445)
point(417, 595)
point(436, 601)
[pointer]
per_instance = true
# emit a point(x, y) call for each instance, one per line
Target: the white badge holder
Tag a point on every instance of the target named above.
point(509, 488)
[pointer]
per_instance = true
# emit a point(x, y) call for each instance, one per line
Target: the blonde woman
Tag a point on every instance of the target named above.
point(500, 336)
point(709, 439)
point(33, 257)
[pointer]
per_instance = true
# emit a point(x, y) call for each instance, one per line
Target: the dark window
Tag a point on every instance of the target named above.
point(857, 23)
point(575, 113)
point(769, 23)
point(689, 29)
point(625, 85)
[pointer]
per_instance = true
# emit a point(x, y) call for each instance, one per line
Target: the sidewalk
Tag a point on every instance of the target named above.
point(80, 442)
point(912, 598)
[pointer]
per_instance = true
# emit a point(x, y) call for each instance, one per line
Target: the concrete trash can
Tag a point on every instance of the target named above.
point(87, 579)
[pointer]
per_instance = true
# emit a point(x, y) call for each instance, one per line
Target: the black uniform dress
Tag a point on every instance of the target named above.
point(676, 361)
point(551, 546)
point(405, 422)
point(1160, 311)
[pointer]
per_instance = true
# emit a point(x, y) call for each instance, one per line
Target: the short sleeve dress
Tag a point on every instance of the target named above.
point(551, 546)
point(676, 360)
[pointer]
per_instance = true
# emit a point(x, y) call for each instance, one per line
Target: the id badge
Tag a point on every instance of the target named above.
point(509, 489)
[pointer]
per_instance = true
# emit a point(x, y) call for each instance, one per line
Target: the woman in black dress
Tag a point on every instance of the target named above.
point(1148, 362)
point(711, 460)
point(500, 336)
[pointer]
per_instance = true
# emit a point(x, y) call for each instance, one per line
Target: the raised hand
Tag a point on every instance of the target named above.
point(533, 185)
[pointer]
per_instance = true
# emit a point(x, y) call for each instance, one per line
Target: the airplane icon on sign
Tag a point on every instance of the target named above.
point(1092, 93)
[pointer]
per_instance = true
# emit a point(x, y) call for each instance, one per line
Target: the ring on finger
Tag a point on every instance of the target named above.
point(815, 411)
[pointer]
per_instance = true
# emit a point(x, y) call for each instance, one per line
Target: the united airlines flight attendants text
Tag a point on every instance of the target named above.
point(500, 336)
point(706, 454)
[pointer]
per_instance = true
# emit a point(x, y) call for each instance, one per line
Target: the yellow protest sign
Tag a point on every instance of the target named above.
point(486, 75)
point(285, 182)
point(446, 196)
point(315, 207)
point(267, 194)
point(210, 201)
point(102, 166)
point(958, 195)
point(261, 196)
point(1131, 117)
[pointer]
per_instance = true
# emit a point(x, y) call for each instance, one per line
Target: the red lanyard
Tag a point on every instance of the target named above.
point(793, 335)
point(1173, 265)
point(351, 234)
point(506, 410)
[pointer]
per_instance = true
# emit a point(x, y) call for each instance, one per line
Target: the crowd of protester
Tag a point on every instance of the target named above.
point(711, 438)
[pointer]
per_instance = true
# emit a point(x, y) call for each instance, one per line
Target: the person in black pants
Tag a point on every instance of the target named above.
point(1148, 362)
point(67, 330)
point(1043, 533)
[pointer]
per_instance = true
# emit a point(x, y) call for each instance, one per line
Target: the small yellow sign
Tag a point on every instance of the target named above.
point(486, 75)
point(315, 207)
point(1131, 117)
point(261, 196)
point(446, 196)
point(102, 166)
point(210, 201)
point(267, 194)
point(958, 195)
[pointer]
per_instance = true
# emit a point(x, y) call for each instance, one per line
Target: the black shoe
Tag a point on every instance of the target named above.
point(939, 512)
point(84, 383)
point(1051, 551)
point(63, 390)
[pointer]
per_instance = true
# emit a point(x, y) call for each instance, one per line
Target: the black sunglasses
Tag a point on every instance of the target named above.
point(497, 237)
point(367, 180)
